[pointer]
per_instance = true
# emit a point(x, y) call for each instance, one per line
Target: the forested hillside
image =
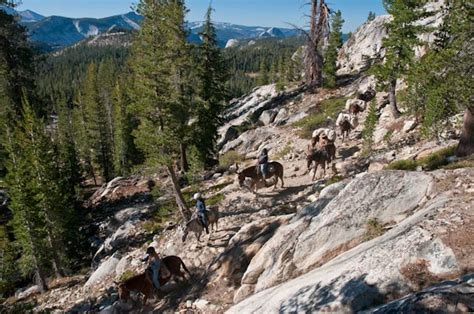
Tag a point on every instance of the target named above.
point(59, 74)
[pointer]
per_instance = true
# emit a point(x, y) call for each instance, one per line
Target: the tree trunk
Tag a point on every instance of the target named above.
point(40, 281)
point(184, 158)
point(393, 98)
point(466, 143)
point(56, 261)
point(183, 208)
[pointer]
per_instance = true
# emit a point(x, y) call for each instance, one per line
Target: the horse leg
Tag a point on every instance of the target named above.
point(315, 170)
point(276, 182)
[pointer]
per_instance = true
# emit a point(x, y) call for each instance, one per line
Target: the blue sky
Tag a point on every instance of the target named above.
point(246, 12)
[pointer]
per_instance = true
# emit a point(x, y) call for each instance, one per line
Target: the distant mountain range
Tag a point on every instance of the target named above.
point(56, 32)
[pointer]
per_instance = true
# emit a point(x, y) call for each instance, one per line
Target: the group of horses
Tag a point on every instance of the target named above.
point(321, 151)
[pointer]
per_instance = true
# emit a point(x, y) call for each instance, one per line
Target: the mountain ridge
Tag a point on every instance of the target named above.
point(57, 32)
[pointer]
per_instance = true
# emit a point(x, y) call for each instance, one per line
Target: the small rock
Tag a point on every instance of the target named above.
point(313, 198)
point(216, 176)
point(201, 304)
point(189, 304)
point(409, 125)
point(376, 166)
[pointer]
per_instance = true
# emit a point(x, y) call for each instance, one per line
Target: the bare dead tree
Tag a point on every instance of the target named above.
point(319, 27)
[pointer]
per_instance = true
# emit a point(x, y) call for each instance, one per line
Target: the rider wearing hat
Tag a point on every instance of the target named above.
point(201, 211)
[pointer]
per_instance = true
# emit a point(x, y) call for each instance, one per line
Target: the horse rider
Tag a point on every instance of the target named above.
point(201, 211)
point(155, 266)
point(263, 163)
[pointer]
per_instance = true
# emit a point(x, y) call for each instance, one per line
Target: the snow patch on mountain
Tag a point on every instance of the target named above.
point(93, 31)
point(132, 24)
point(77, 26)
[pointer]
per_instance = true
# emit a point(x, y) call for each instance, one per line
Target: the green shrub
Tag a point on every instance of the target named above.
point(408, 164)
point(328, 108)
point(334, 179)
point(214, 200)
point(437, 159)
point(126, 275)
point(230, 158)
point(373, 229)
point(462, 163)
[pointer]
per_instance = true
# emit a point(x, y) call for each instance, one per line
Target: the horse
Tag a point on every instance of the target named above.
point(194, 225)
point(346, 128)
point(142, 283)
point(329, 146)
point(275, 169)
point(320, 158)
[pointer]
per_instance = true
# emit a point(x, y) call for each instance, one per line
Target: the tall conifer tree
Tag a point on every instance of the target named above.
point(402, 39)
point(163, 86)
point(212, 74)
point(332, 50)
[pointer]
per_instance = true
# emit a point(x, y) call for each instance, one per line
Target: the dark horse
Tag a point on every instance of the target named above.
point(275, 169)
point(142, 283)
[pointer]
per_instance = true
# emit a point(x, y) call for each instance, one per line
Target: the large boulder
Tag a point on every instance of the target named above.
point(364, 44)
point(105, 273)
point(268, 117)
point(336, 270)
point(133, 189)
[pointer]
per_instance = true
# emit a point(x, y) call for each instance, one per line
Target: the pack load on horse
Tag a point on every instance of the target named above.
point(143, 283)
point(346, 122)
point(196, 226)
point(320, 133)
point(322, 150)
point(355, 106)
point(201, 211)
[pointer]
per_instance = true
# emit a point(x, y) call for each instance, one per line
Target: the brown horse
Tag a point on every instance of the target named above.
point(320, 158)
point(142, 283)
point(275, 169)
point(346, 128)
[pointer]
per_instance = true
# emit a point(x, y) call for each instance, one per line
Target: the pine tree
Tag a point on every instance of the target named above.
point(263, 78)
point(332, 51)
point(16, 72)
point(81, 137)
point(97, 121)
point(440, 84)
point(369, 126)
point(212, 74)
point(125, 153)
point(371, 16)
point(402, 38)
point(281, 82)
point(163, 86)
point(67, 152)
point(273, 75)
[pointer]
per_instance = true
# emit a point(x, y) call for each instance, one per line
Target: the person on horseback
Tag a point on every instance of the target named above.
point(201, 211)
point(155, 267)
point(263, 163)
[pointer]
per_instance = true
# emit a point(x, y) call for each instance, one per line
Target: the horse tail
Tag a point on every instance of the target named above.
point(184, 267)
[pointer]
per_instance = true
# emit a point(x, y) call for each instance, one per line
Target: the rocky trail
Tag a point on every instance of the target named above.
point(360, 238)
